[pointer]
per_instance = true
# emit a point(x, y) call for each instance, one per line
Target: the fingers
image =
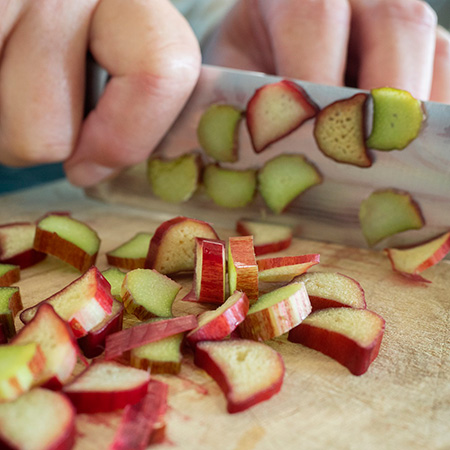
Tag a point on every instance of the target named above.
point(42, 81)
point(154, 61)
point(394, 42)
point(300, 39)
point(440, 88)
point(309, 38)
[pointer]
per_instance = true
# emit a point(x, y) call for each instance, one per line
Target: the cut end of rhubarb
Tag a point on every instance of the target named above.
point(174, 180)
point(350, 336)
point(340, 131)
point(284, 178)
point(68, 239)
point(397, 119)
point(217, 132)
point(39, 419)
point(105, 386)
point(172, 248)
point(229, 188)
point(276, 110)
point(267, 237)
point(387, 212)
point(332, 289)
point(412, 260)
point(131, 254)
point(248, 372)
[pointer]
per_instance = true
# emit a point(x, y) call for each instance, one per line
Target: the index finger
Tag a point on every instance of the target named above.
point(309, 38)
point(154, 61)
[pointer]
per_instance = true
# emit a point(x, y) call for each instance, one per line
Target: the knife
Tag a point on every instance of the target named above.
point(327, 212)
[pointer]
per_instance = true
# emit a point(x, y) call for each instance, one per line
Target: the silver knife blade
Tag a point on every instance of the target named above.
point(327, 212)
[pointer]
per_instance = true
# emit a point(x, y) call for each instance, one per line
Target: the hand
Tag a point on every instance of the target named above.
point(361, 43)
point(146, 46)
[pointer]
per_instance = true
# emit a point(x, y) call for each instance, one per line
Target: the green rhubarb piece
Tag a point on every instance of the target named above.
point(162, 356)
point(284, 178)
point(18, 365)
point(217, 132)
point(136, 247)
point(115, 278)
point(229, 188)
point(174, 180)
point(397, 119)
point(10, 305)
point(274, 297)
point(388, 212)
point(151, 291)
point(72, 230)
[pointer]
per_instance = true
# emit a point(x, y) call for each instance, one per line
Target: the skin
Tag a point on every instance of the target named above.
point(154, 62)
point(146, 46)
point(362, 43)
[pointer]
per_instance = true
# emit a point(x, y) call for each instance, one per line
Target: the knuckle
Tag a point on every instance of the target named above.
point(30, 149)
point(443, 42)
point(414, 11)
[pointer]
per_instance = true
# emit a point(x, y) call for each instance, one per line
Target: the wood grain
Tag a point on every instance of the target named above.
point(403, 401)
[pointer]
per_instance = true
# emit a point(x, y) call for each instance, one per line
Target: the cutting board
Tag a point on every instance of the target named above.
point(402, 402)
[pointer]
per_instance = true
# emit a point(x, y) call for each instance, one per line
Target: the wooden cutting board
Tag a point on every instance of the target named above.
point(402, 402)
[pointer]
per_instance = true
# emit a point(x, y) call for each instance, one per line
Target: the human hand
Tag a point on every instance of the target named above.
point(362, 43)
point(147, 48)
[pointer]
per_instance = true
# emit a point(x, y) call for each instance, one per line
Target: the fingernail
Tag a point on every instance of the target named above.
point(88, 173)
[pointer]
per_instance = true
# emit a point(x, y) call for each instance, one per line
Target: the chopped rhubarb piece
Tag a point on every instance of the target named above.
point(57, 343)
point(242, 267)
point(332, 289)
point(247, 372)
point(276, 312)
point(172, 248)
point(20, 367)
point(83, 304)
point(105, 386)
point(132, 253)
point(38, 420)
point(146, 293)
point(267, 237)
point(93, 344)
point(350, 336)
point(411, 261)
point(10, 305)
point(16, 244)
point(210, 268)
point(68, 239)
point(139, 421)
point(9, 274)
point(122, 341)
point(285, 268)
point(220, 323)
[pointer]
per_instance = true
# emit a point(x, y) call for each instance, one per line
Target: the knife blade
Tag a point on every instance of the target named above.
point(327, 212)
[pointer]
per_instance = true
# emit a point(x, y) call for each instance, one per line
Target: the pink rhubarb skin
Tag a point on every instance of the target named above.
point(139, 420)
point(244, 261)
point(122, 341)
point(106, 400)
point(93, 343)
point(224, 324)
point(203, 359)
point(211, 270)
